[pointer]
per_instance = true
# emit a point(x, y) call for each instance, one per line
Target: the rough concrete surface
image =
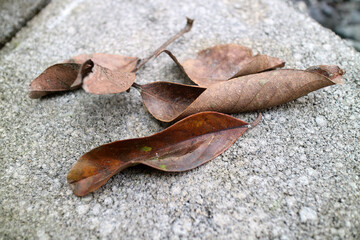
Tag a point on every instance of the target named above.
point(14, 14)
point(296, 175)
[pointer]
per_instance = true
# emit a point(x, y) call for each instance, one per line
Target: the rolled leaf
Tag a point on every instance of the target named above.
point(170, 101)
point(57, 78)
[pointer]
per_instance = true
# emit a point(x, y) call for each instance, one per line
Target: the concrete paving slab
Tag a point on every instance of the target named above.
point(296, 175)
point(14, 14)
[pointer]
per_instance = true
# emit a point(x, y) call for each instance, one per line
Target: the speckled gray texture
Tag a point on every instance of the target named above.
point(14, 14)
point(296, 175)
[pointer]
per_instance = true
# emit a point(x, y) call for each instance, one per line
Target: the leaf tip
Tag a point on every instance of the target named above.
point(280, 63)
point(256, 121)
point(36, 94)
point(74, 185)
point(332, 72)
point(189, 22)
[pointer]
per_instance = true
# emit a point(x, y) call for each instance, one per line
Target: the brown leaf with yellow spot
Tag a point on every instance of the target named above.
point(185, 145)
point(170, 101)
point(223, 62)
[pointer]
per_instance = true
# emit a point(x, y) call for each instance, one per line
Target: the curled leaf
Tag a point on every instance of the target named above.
point(183, 146)
point(223, 62)
point(57, 78)
point(170, 101)
point(102, 80)
point(69, 75)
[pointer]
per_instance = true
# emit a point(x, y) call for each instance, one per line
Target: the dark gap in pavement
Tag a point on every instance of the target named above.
point(341, 16)
point(15, 14)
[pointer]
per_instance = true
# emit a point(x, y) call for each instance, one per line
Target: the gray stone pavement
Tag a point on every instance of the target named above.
point(296, 175)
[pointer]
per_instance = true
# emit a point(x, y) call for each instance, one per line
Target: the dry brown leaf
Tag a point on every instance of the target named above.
point(105, 73)
point(57, 78)
point(68, 75)
point(223, 62)
point(102, 80)
point(183, 146)
point(169, 101)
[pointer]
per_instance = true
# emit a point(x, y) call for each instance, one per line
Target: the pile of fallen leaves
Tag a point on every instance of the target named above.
point(229, 80)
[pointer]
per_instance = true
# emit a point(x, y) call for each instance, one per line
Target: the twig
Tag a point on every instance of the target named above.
point(187, 28)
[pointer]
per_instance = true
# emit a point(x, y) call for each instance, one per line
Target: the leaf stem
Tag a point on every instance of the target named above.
point(256, 121)
point(187, 28)
point(137, 86)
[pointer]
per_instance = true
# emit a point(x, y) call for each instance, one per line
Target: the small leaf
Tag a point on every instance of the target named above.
point(223, 62)
point(69, 75)
point(183, 146)
point(170, 101)
point(101, 80)
point(166, 100)
point(57, 78)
